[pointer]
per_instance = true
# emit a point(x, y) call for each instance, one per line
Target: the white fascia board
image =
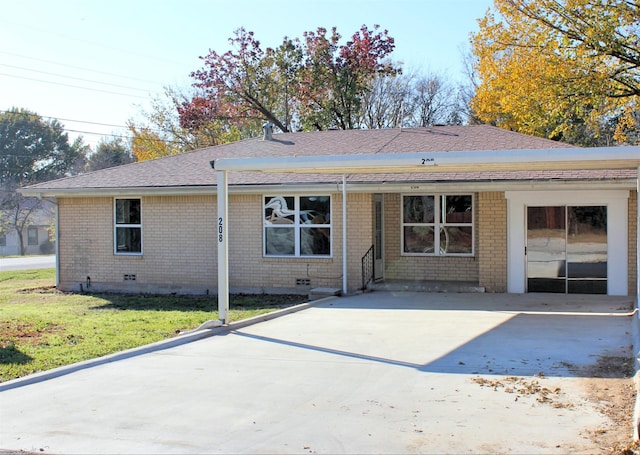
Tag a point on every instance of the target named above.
point(354, 187)
point(454, 161)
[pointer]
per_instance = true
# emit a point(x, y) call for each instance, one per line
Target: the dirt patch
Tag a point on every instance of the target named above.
point(614, 398)
point(40, 290)
point(24, 332)
point(608, 385)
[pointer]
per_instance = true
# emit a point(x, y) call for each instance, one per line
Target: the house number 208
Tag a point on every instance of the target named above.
point(220, 229)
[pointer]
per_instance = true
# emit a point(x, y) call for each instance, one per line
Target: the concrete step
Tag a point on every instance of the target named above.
point(426, 286)
point(320, 293)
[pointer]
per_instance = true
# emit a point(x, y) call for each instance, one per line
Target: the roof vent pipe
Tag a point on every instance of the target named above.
point(267, 130)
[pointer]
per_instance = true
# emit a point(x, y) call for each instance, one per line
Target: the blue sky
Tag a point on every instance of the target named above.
point(100, 61)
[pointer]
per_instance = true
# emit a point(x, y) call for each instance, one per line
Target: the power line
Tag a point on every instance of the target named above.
point(32, 114)
point(74, 78)
point(80, 68)
point(73, 86)
point(92, 43)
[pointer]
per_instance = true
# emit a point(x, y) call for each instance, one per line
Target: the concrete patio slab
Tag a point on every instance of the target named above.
point(373, 373)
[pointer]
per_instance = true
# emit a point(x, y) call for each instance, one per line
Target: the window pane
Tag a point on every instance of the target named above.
point(3, 240)
point(32, 236)
point(457, 209)
point(418, 209)
point(315, 210)
point(129, 240)
point(418, 239)
point(280, 241)
point(587, 242)
point(128, 211)
point(315, 241)
point(456, 240)
point(279, 210)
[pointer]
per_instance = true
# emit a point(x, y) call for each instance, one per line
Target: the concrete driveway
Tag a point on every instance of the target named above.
point(373, 373)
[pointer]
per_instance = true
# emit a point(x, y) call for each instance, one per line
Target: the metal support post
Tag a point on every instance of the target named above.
point(223, 246)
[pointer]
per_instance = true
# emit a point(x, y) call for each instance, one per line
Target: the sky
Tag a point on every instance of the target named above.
point(95, 64)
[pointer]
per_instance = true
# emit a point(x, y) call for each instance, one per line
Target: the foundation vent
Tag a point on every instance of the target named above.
point(129, 277)
point(303, 282)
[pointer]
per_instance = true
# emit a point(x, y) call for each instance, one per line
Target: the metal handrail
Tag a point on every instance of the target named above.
point(368, 267)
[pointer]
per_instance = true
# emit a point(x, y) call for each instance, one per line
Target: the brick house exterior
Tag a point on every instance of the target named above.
point(166, 242)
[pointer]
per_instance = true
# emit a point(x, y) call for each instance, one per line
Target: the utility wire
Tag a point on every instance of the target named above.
point(75, 78)
point(92, 43)
point(32, 114)
point(73, 86)
point(80, 68)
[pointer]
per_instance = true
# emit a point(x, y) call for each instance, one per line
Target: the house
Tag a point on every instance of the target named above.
point(509, 213)
point(36, 235)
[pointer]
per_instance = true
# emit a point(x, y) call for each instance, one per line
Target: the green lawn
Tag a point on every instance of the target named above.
point(41, 328)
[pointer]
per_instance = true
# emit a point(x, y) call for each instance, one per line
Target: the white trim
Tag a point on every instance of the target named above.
point(354, 187)
point(437, 224)
point(617, 232)
point(297, 226)
point(445, 161)
point(127, 225)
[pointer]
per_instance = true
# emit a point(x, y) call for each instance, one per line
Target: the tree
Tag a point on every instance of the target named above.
point(388, 103)
point(335, 78)
point(159, 132)
point(433, 100)
point(314, 83)
point(238, 86)
point(410, 100)
point(109, 153)
point(563, 69)
point(31, 151)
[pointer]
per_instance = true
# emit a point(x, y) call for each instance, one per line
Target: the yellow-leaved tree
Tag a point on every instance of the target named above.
point(562, 69)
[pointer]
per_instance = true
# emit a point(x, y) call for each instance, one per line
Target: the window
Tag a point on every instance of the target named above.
point(450, 216)
point(297, 226)
point(32, 236)
point(128, 226)
point(3, 240)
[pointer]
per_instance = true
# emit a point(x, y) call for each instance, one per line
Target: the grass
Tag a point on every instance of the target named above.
point(42, 328)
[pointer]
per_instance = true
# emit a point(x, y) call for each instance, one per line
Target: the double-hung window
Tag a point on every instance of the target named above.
point(127, 226)
point(298, 226)
point(437, 225)
point(32, 235)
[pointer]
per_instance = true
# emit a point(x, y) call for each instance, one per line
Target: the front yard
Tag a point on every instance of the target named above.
point(41, 328)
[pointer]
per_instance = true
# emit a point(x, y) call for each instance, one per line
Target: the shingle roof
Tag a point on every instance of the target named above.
point(193, 169)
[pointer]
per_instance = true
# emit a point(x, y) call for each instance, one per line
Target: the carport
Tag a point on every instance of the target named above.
point(596, 158)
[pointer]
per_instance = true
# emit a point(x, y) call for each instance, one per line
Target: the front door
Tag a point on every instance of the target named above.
point(566, 249)
point(378, 237)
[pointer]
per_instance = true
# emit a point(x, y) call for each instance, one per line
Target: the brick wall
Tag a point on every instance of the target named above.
point(492, 244)
point(178, 245)
point(180, 248)
point(249, 269)
point(415, 268)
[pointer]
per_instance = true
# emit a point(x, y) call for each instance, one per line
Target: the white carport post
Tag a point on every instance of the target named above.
point(344, 234)
point(638, 238)
point(223, 246)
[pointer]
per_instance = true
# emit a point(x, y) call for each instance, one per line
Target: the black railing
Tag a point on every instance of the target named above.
point(368, 267)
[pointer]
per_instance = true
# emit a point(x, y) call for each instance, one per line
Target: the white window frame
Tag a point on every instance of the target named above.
point(117, 225)
point(297, 227)
point(438, 224)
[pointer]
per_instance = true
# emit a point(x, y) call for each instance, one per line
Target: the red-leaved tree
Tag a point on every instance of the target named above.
point(314, 83)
